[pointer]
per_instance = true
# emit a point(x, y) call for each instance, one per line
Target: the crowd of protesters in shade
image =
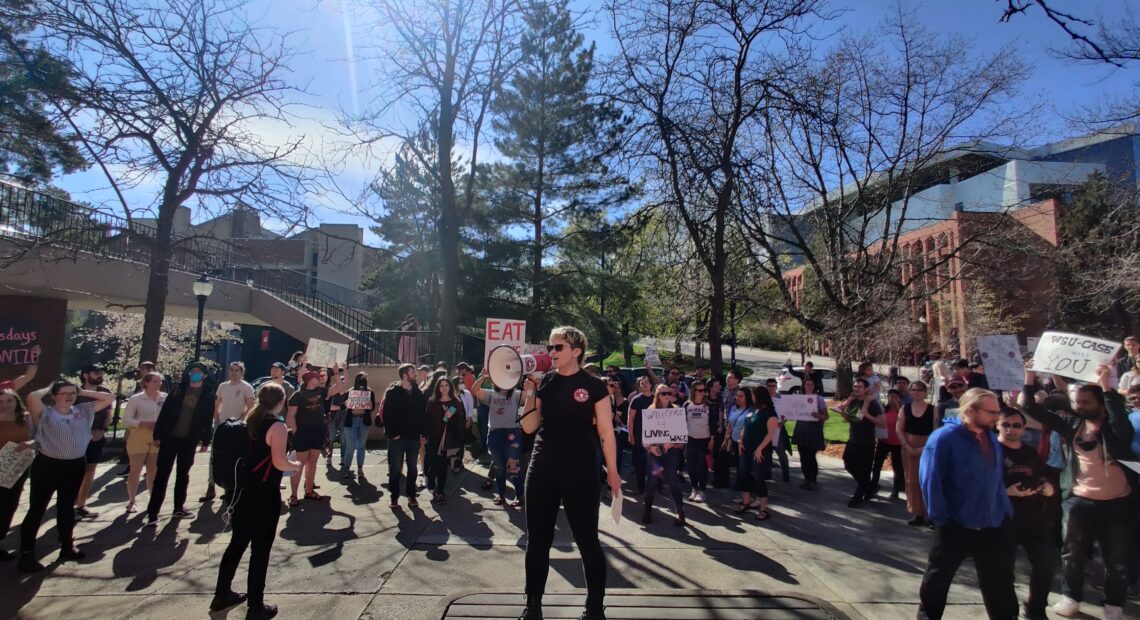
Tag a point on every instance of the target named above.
point(1042, 468)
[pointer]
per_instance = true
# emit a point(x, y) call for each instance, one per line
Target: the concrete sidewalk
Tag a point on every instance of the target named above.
point(355, 557)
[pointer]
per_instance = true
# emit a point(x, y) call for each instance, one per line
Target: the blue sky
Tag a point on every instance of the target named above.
point(323, 33)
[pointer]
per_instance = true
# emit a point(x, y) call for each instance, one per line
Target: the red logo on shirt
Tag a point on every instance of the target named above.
point(581, 395)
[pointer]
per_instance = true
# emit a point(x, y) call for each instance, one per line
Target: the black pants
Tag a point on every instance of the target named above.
point(640, 468)
point(857, 460)
point(783, 450)
point(993, 552)
point(436, 472)
point(1038, 541)
point(170, 450)
point(553, 480)
point(9, 501)
point(696, 450)
point(722, 462)
point(255, 525)
point(809, 465)
point(400, 452)
point(882, 451)
point(1108, 523)
point(61, 478)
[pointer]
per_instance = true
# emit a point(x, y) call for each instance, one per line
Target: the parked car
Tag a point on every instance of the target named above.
point(788, 383)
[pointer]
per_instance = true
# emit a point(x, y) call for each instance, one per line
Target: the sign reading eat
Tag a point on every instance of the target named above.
point(503, 332)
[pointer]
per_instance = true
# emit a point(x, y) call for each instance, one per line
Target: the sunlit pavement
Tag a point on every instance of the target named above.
point(356, 557)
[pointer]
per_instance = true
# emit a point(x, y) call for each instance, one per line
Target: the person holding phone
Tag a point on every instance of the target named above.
point(566, 408)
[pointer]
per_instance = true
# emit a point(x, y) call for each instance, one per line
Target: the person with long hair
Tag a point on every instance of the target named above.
point(357, 425)
point(140, 416)
point(13, 429)
point(446, 418)
point(915, 424)
point(566, 409)
point(808, 436)
point(256, 506)
point(306, 418)
point(61, 432)
point(761, 428)
point(742, 406)
point(700, 442)
point(664, 461)
point(504, 439)
point(717, 416)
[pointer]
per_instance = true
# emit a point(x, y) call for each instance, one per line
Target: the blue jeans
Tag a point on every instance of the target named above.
point(505, 445)
point(353, 436)
point(665, 466)
point(400, 452)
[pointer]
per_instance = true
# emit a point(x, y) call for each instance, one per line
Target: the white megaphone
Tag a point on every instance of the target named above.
point(507, 367)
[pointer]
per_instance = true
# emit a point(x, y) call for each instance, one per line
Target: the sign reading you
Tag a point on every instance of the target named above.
point(18, 342)
point(1072, 355)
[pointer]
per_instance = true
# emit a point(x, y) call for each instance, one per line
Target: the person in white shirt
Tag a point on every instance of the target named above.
point(1130, 378)
point(468, 401)
point(234, 400)
point(140, 415)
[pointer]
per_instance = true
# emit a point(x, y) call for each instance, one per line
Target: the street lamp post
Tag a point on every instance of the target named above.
point(202, 289)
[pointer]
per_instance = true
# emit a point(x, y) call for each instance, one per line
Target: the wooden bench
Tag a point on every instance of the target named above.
point(650, 605)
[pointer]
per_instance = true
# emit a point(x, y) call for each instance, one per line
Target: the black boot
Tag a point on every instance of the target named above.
point(598, 613)
point(28, 563)
point(262, 612)
point(647, 516)
point(533, 609)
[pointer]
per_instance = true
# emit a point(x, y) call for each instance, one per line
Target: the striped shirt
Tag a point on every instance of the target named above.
point(141, 408)
point(64, 437)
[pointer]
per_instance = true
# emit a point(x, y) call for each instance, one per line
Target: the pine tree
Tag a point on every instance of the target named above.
point(556, 137)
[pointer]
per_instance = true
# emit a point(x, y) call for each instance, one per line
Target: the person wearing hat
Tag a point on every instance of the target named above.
point(306, 418)
point(186, 420)
point(277, 377)
point(92, 376)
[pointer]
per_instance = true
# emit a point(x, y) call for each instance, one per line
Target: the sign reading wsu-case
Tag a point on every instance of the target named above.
point(1073, 355)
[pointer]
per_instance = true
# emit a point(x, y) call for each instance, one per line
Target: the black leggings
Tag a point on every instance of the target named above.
point(9, 502)
point(435, 468)
point(52, 477)
point(255, 519)
point(553, 480)
point(882, 451)
point(809, 464)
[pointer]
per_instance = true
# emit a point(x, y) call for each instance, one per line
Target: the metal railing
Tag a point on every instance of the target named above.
point(392, 346)
point(37, 218)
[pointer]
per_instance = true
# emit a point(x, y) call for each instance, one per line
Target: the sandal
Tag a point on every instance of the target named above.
point(517, 503)
point(741, 509)
point(413, 503)
point(762, 515)
point(498, 501)
point(313, 495)
point(294, 502)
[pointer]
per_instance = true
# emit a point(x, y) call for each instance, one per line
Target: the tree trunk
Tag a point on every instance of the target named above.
point(626, 345)
point(448, 221)
point(158, 283)
point(845, 377)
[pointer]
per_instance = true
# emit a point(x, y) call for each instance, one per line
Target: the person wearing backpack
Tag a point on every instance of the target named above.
point(256, 505)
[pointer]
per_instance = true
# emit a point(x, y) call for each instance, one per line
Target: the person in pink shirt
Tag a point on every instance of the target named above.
point(888, 444)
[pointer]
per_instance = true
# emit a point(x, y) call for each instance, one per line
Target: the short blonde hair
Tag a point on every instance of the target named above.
point(572, 335)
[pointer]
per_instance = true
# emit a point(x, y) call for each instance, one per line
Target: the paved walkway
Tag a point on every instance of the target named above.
point(355, 557)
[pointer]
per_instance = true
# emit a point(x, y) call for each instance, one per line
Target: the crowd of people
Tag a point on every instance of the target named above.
point(1044, 468)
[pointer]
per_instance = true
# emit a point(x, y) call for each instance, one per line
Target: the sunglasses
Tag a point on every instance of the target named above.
point(956, 386)
point(698, 390)
point(555, 347)
point(665, 393)
point(1013, 426)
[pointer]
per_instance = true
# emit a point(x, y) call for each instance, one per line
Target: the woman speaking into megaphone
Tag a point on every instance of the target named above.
point(570, 410)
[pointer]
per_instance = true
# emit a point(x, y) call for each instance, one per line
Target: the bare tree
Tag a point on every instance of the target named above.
point(178, 95)
point(443, 60)
point(1116, 44)
point(872, 124)
point(697, 76)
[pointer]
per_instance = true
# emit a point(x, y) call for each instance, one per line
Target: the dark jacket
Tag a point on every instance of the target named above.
point(202, 427)
point(1116, 435)
point(403, 412)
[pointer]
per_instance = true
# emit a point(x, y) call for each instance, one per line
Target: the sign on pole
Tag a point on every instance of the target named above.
point(1001, 358)
point(661, 426)
point(797, 407)
point(1073, 355)
point(325, 354)
point(500, 332)
point(652, 357)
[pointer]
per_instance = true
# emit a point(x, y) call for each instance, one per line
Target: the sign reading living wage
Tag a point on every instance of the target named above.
point(325, 354)
point(1001, 357)
point(797, 407)
point(661, 426)
point(1073, 355)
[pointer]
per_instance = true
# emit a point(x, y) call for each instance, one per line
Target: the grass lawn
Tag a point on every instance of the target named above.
point(834, 429)
point(685, 363)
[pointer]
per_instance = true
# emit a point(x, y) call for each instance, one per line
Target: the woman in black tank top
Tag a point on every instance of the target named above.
point(256, 506)
point(915, 424)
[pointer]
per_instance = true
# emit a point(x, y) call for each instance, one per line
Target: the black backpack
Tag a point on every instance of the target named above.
point(230, 462)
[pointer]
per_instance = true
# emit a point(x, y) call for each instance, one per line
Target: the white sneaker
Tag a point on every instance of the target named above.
point(693, 496)
point(1112, 612)
point(755, 503)
point(701, 497)
point(1068, 607)
point(738, 500)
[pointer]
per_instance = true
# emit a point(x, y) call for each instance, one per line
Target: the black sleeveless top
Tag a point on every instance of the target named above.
point(263, 477)
point(918, 426)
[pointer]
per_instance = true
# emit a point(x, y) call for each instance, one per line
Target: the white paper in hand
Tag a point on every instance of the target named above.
point(615, 508)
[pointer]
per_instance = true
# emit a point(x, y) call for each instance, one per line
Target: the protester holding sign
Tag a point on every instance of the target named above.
point(664, 458)
point(808, 435)
point(14, 431)
point(1095, 490)
point(360, 407)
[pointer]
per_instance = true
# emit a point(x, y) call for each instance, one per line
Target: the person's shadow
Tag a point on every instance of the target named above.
point(307, 526)
point(152, 550)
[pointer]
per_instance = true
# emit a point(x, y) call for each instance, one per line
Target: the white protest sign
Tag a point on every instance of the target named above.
point(13, 464)
point(358, 399)
point(661, 426)
point(797, 407)
point(1073, 355)
point(1001, 357)
point(325, 354)
point(652, 357)
point(500, 332)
